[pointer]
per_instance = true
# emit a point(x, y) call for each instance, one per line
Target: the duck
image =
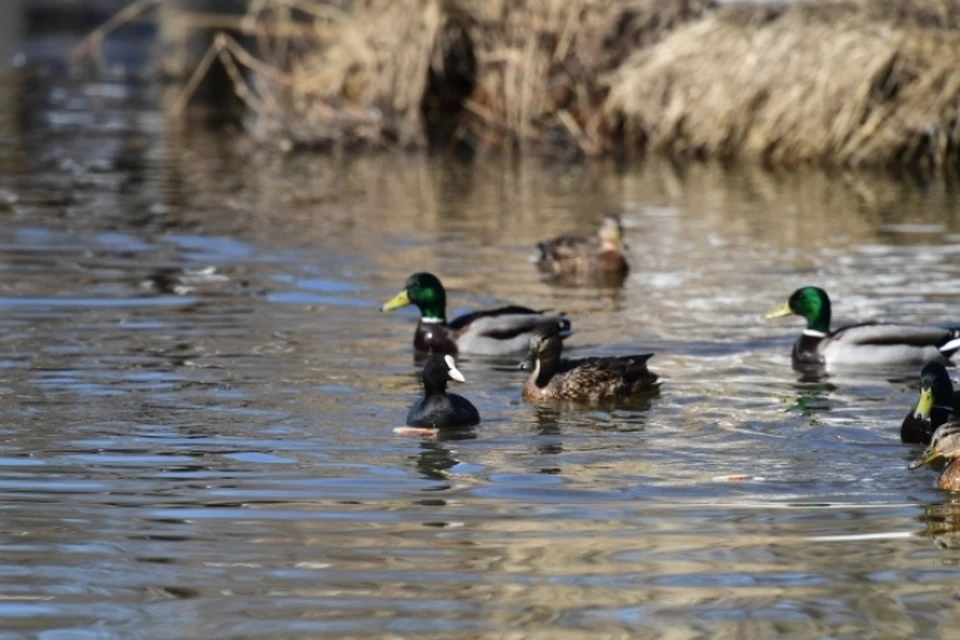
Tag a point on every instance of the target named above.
point(492, 332)
point(438, 409)
point(583, 380)
point(566, 256)
point(938, 403)
point(867, 343)
point(945, 444)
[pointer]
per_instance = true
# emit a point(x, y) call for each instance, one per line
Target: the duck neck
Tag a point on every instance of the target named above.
point(433, 312)
point(434, 388)
point(543, 370)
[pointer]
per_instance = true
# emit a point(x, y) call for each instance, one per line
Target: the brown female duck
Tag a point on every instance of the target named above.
point(567, 256)
point(944, 445)
point(583, 380)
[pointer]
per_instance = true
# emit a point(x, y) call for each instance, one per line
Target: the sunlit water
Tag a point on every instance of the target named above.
point(210, 452)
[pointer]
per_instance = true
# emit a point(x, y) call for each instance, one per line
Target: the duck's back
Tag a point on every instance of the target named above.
point(601, 378)
point(443, 410)
point(565, 254)
point(879, 343)
point(949, 480)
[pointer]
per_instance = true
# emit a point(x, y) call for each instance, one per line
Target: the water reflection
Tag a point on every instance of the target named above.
point(200, 396)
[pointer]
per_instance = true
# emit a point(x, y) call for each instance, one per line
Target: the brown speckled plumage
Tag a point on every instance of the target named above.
point(945, 445)
point(949, 480)
point(576, 256)
point(583, 380)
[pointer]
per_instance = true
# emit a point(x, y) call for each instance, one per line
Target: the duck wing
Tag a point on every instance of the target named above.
point(460, 322)
point(466, 414)
point(506, 323)
point(564, 248)
point(443, 410)
point(614, 375)
point(882, 334)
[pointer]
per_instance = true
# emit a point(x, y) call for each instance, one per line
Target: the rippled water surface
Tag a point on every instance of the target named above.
point(199, 397)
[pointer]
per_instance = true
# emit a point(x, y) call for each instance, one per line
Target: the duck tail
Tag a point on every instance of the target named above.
point(635, 369)
point(953, 345)
point(542, 253)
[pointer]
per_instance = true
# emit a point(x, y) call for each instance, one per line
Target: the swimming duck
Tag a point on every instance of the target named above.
point(937, 403)
point(438, 409)
point(494, 332)
point(944, 445)
point(868, 343)
point(586, 379)
point(576, 255)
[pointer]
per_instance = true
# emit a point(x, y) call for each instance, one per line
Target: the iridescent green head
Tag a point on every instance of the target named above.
point(425, 291)
point(810, 303)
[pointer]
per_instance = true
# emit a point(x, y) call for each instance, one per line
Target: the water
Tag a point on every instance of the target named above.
point(212, 455)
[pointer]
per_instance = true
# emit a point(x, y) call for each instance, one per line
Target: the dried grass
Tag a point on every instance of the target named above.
point(485, 72)
point(843, 83)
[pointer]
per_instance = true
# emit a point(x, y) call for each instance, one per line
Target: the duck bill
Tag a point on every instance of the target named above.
point(402, 299)
point(929, 456)
point(780, 312)
point(924, 405)
point(452, 370)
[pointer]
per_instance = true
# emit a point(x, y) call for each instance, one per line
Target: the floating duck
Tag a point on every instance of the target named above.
point(869, 343)
point(944, 445)
point(493, 332)
point(566, 256)
point(438, 409)
point(585, 380)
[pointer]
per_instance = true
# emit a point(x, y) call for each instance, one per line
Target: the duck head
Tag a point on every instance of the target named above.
point(426, 292)
point(945, 445)
point(810, 303)
point(611, 233)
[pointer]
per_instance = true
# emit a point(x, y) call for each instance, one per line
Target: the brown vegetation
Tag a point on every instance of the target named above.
point(851, 83)
point(843, 82)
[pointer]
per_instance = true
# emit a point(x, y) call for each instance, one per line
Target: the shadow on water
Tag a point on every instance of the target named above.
point(199, 394)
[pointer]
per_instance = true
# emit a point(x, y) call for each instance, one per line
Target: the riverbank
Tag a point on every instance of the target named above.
point(858, 83)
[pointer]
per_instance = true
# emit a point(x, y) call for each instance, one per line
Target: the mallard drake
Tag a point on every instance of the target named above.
point(494, 332)
point(583, 380)
point(438, 409)
point(938, 402)
point(868, 343)
point(576, 255)
point(944, 445)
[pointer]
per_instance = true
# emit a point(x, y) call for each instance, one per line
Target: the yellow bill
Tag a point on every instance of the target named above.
point(780, 312)
point(924, 404)
point(930, 455)
point(402, 299)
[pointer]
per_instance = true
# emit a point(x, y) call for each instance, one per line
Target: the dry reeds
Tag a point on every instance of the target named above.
point(844, 83)
point(484, 72)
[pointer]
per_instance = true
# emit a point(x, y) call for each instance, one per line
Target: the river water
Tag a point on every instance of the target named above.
point(199, 396)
